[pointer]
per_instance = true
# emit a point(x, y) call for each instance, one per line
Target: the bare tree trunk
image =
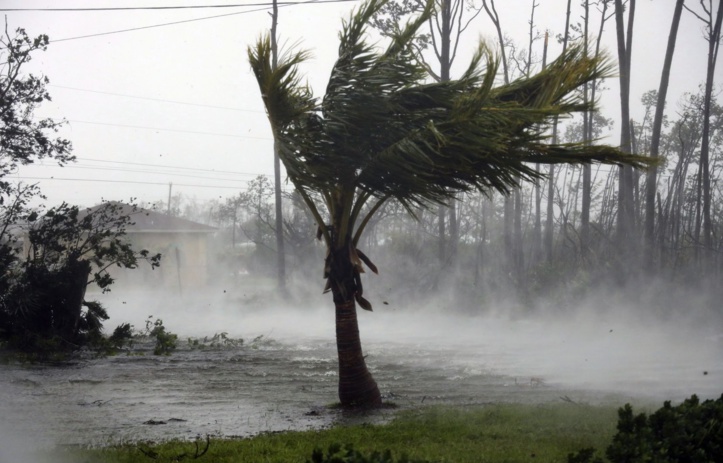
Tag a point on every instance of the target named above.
point(537, 234)
point(625, 195)
point(441, 228)
point(508, 216)
point(587, 137)
point(447, 247)
point(453, 232)
point(481, 239)
point(714, 37)
point(519, 258)
point(509, 209)
point(652, 180)
point(550, 211)
point(537, 231)
point(549, 220)
point(445, 68)
point(519, 254)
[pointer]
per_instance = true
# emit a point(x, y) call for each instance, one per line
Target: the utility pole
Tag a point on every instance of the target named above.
point(168, 206)
point(280, 256)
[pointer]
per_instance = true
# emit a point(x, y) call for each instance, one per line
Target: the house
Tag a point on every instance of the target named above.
point(182, 243)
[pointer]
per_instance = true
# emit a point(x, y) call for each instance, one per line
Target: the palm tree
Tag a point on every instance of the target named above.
point(383, 131)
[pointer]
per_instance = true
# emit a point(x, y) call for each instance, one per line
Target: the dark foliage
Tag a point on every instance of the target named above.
point(691, 432)
point(44, 307)
point(586, 455)
point(166, 341)
point(24, 138)
point(122, 336)
point(347, 454)
point(48, 257)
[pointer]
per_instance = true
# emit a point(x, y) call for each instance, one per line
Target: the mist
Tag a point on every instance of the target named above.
point(656, 344)
point(437, 348)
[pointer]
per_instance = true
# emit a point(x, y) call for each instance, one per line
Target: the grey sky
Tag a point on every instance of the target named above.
point(183, 95)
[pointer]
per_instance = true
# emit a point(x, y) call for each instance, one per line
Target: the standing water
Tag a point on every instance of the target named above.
point(284, 375)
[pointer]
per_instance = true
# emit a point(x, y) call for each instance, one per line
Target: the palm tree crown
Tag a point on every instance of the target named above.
point(383, 131)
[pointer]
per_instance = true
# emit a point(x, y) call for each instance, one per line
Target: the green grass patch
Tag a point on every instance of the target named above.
point(497, 433)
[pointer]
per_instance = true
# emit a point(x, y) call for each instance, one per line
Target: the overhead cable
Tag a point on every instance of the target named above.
point(266, 7)
point(194, 169)
point(156, 99)
point(172, 7)
point(160, 129)
point(129, 181)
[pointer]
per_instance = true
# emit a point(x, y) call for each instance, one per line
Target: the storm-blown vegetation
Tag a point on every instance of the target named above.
point(383, 133)
point(48, 257)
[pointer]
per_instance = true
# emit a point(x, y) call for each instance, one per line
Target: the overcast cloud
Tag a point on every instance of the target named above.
point(178, 103)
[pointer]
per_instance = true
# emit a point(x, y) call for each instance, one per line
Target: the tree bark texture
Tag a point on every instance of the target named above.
point(587, 136)
point(549, 220)
point(625, 195)
point(713, 44)
point(357, 388)
point(652, 180)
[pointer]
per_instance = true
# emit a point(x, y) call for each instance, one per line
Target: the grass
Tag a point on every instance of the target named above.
point(497, 433)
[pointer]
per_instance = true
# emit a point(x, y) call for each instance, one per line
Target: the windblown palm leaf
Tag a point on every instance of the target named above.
point(383, 131)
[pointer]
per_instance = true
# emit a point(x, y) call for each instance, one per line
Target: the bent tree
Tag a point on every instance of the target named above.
point(385, 132)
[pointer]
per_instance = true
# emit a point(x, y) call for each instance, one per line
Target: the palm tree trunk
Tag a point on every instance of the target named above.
point(357, 388)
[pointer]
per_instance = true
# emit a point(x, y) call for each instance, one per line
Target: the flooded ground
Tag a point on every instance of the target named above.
point(286, 379)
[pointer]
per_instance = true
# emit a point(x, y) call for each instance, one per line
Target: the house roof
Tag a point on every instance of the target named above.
point(149, 221)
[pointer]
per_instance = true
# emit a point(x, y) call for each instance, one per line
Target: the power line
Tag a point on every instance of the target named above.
point(153, 26)
point(162, 172)
point(177, 7)
point(135, 8)
point(268, 5)
point(168, 166)
point(173, 174)
point(156, 99)
point(170, 130)
point(125, 181)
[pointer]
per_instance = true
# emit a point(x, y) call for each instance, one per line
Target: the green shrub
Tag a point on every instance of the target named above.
point(165, 340)
point(42, 295)
point(691, 432)
point(586, 455)
point(122, 336)
point(217, 341)
point(347, 454)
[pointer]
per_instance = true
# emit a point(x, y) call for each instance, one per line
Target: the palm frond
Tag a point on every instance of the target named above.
point(383, 130)
point(284, 97)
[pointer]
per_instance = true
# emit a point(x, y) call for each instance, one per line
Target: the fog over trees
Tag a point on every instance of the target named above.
point(580, 231)
point(583, 230)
